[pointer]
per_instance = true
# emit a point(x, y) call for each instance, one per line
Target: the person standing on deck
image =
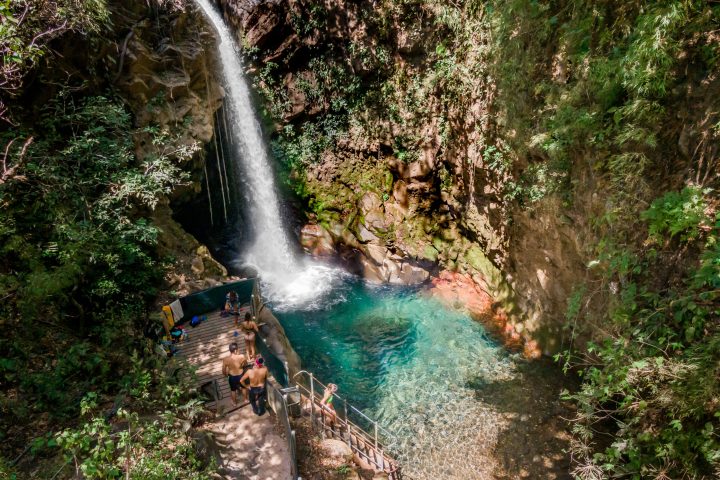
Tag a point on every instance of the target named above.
point(234, 367)
point(257, 376)
point(249, 329)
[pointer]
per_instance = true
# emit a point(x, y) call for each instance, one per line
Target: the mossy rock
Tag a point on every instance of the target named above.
point(501, 290)
point(430, 253)
point(476, 258)
point(449, 235)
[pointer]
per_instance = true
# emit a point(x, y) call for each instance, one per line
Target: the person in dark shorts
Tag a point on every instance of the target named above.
point(257, 376)
point(234, 367)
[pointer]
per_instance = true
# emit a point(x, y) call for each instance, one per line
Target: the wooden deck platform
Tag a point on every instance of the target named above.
point(207, 345)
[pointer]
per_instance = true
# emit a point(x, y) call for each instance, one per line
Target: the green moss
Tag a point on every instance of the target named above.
point(430, 253)
point(500, 289)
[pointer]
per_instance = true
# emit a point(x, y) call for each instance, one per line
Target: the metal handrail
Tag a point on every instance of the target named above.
point(370, 420)
point(378, 458)
point(376, 426)
point(279, 395)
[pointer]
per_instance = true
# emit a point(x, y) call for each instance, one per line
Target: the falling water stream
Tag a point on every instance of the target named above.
point(425, 371)
point(284, 274)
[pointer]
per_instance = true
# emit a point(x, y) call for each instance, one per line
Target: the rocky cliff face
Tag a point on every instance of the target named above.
point(399, 139)
point(402, 192)
point(167, 75)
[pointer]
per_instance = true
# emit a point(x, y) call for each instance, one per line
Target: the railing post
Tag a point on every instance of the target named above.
point(376, 444)
point(312, 401)
point(347, 424)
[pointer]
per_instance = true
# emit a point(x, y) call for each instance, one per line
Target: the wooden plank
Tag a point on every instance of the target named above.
point(207, 346)
point(217, 348)
point(219, 337)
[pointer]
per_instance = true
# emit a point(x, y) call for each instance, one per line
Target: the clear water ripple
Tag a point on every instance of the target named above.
point(412, 364)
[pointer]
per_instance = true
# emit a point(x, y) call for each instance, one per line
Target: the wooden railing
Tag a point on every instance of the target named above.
point(367, 447)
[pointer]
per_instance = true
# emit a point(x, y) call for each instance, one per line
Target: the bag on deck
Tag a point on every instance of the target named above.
point(195, 321)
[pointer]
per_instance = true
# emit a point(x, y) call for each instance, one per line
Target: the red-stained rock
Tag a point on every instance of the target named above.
point(471, 293)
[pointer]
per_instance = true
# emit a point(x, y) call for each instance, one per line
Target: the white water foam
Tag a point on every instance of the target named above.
point(288, 281)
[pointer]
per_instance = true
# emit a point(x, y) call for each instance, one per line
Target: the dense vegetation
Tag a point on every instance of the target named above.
point(626, 92)
point(652, 374)
point(79, 265)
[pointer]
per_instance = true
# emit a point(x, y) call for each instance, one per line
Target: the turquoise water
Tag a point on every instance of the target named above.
point(409, 362)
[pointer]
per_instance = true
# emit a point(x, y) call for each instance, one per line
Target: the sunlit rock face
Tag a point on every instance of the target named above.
point(169, 79)
point(414, 181)
point(402, 219)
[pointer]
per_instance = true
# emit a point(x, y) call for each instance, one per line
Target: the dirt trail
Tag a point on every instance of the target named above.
point(250, 446)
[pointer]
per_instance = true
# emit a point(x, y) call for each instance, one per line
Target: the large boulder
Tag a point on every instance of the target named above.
point(379, 265)
point(316, 240)
point(372, 272)
point(206, 448)
point(376, 253)
point(275, 338)
point(336, 449)
point(409, 275)
point(369, 202)
point(365, 235)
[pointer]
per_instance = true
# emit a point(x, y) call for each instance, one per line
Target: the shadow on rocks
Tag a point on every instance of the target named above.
point(535, 442)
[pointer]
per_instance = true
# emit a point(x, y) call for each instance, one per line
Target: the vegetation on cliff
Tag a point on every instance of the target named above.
point(501, 105)
point(79, 263)
point(523, 104)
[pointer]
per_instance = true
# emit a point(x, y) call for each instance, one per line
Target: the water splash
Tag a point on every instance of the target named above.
point(287, 279)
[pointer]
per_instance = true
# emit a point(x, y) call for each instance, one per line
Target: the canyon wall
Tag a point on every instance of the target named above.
point(415, 151)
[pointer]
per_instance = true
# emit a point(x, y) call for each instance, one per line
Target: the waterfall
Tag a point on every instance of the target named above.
point(288, 278)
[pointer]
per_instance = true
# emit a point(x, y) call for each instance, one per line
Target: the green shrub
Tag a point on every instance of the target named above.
point(678, 213)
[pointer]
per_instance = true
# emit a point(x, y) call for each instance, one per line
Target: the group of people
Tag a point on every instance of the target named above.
point(248, 327)
point(248, 376)
point(245, 374)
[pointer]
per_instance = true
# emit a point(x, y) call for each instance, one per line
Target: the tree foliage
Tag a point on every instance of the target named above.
point(76, 221)
point(27, 28)
point(607, 96)
point(78, 258)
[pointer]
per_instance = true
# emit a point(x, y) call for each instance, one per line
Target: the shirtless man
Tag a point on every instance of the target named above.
point(257, 376)
point(233, 368)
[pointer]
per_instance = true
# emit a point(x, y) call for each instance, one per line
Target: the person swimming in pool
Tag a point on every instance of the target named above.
point(234, 367)
point(249, 329)
point(327, 404)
